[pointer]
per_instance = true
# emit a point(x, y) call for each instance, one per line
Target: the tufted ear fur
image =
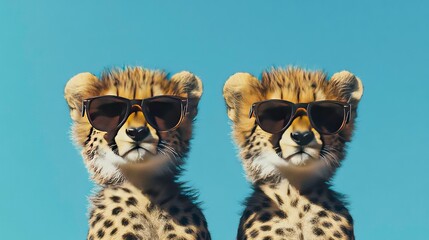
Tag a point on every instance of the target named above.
point(188, 85)
point(240, 91)
point(347, 86)
point(78, 88)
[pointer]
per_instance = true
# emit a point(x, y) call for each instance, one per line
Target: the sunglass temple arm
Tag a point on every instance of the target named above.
point(251, 111)
point(83, 108)
point(186, 107)
point(349, 112)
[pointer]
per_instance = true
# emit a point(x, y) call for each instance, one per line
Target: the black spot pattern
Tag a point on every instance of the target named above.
point(131, 201)
point(336, 218)
point(280, 232)
point(318, 232)
point(125, 222)
point(171, 236)
point(132, 214)
point(322, 214)
point(294, 203)
point(129, 236)
point(327, 224)
point(254, 233)
point(138, 227)
point(281, 214)
point(98, 217)
point(115, 199)
point(345, 230)
point(108, 223)
point(279, 199)
point(100, 233)
point(168, 227)
point(265, 228)
point(265, 217)
point(117, 210)
point(337, 234)
point(306, 207)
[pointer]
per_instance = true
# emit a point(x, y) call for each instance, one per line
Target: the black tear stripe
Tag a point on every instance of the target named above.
point(114, 147)
point(88, 138)
point(110, 138)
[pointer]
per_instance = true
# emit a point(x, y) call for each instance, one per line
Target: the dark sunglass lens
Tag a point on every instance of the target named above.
point(106, 113)
point(327, 117)
point(274, 115)
point(163, 113)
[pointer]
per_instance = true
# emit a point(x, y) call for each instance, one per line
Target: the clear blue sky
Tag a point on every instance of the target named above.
point(44, 185)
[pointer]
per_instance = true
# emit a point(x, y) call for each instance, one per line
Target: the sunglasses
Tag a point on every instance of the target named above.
point(327, 117)
point(107, 113)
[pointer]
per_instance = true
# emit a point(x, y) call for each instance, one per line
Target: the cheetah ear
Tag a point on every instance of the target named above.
point(240, 91)
point(347, 86)
point(186, 84)
point(78, 88)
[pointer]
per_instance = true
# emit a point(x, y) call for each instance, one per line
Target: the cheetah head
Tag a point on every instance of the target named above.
point(271, 157)
point(108, 154)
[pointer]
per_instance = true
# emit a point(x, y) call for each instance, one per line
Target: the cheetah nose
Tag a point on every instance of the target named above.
point(137, 134)
point(302, 138)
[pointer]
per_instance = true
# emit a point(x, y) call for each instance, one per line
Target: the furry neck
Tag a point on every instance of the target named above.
point(288, 189)
point(147, 179)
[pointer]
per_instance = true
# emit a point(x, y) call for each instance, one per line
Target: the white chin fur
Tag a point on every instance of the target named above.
point(300, 159)
point(136, 155)
point(149, 147)
point(106, 164)
point(268, 162)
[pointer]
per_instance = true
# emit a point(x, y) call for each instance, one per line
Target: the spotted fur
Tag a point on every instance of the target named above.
point(140, 197)
point(292, 198)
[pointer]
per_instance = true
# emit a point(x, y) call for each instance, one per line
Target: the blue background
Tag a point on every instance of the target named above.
point(44, 184)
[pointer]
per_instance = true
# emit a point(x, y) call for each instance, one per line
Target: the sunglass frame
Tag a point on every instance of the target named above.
point(184, 103)
point(347, 107)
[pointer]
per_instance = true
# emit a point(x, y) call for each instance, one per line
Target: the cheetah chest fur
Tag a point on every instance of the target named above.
point(126, 212)
point(282, 212)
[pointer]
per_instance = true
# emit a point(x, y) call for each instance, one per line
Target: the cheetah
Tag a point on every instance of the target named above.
point(133, 126)
point(291, 129)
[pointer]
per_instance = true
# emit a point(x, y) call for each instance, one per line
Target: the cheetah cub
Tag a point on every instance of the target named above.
point(291, 129)
point(134, 127)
